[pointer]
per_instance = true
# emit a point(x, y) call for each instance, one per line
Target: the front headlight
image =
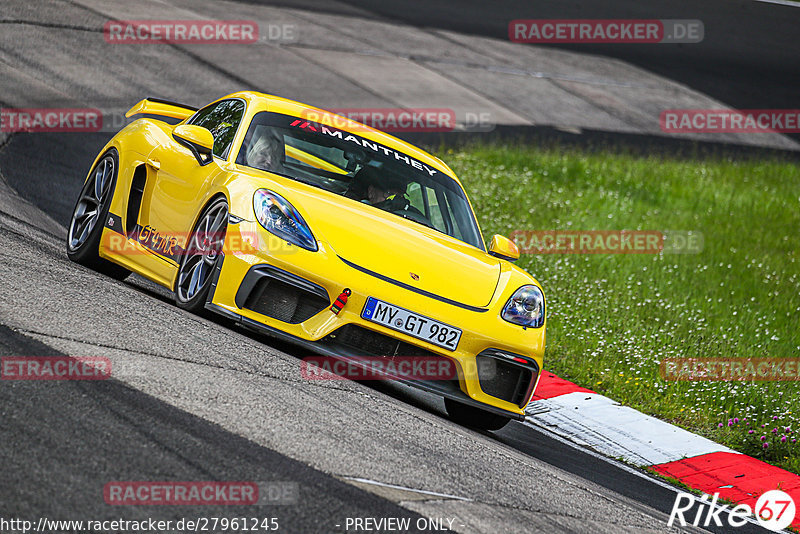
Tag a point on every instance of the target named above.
point(525, 307)
point(279, 217)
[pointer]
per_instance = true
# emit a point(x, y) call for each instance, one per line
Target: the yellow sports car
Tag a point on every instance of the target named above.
point(317, 229)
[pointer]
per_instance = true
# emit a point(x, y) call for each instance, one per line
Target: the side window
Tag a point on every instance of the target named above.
point(222, 119)
point(436, 212)
point(457, 215)
point(414, 194)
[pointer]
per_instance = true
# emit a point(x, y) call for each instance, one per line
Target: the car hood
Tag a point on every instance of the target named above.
point(404, 251)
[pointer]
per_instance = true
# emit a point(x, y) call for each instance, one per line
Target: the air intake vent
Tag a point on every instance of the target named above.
point(372, 343)
point(505, 380)
point(284, 302)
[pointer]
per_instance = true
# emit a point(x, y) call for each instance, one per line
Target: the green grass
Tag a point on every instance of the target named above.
point(612, 318)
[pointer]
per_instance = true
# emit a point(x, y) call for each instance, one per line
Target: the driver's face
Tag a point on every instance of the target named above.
point(376, 195)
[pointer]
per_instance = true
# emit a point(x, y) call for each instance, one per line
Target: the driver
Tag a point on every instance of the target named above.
point(266, 150)
point(377, 194)
point(371, 188)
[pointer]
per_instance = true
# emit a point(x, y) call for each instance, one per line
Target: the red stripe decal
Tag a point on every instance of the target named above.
point(552, 386)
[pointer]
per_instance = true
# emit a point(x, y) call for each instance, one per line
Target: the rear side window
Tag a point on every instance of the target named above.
point(222, 120)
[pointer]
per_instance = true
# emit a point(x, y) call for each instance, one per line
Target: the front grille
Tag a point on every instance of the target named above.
point(374, 344)
point(284, 302)
point(503, 379)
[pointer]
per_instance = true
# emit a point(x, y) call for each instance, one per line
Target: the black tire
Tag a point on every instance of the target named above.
point(89, 217)
point(203, 253)
point(474, 417)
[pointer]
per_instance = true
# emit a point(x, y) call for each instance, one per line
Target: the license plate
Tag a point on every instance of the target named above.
point(411, 323)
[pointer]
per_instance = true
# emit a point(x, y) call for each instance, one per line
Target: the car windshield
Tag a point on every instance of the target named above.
point(347, 164)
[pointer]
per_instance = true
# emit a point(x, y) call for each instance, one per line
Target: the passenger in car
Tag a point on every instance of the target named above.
point(267, 151)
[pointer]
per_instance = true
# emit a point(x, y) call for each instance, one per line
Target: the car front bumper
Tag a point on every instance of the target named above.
point(286, 291)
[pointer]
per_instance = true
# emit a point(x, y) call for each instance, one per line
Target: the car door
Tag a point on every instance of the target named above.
point(174, 198)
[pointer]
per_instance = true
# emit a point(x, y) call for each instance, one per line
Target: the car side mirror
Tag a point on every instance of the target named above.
point(503, 248)
point(197, 139)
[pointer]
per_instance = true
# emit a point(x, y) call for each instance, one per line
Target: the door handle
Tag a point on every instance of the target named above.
point(153, 162)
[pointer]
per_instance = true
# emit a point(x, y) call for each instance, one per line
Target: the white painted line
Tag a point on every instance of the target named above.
point(618, 431)
point(788, 3)
point(423, 492)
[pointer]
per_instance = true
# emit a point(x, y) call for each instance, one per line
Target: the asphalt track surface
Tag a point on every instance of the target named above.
point(748, 58)
point(196, 399)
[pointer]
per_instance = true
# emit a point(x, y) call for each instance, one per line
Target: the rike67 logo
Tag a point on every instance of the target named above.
point(774, 510)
